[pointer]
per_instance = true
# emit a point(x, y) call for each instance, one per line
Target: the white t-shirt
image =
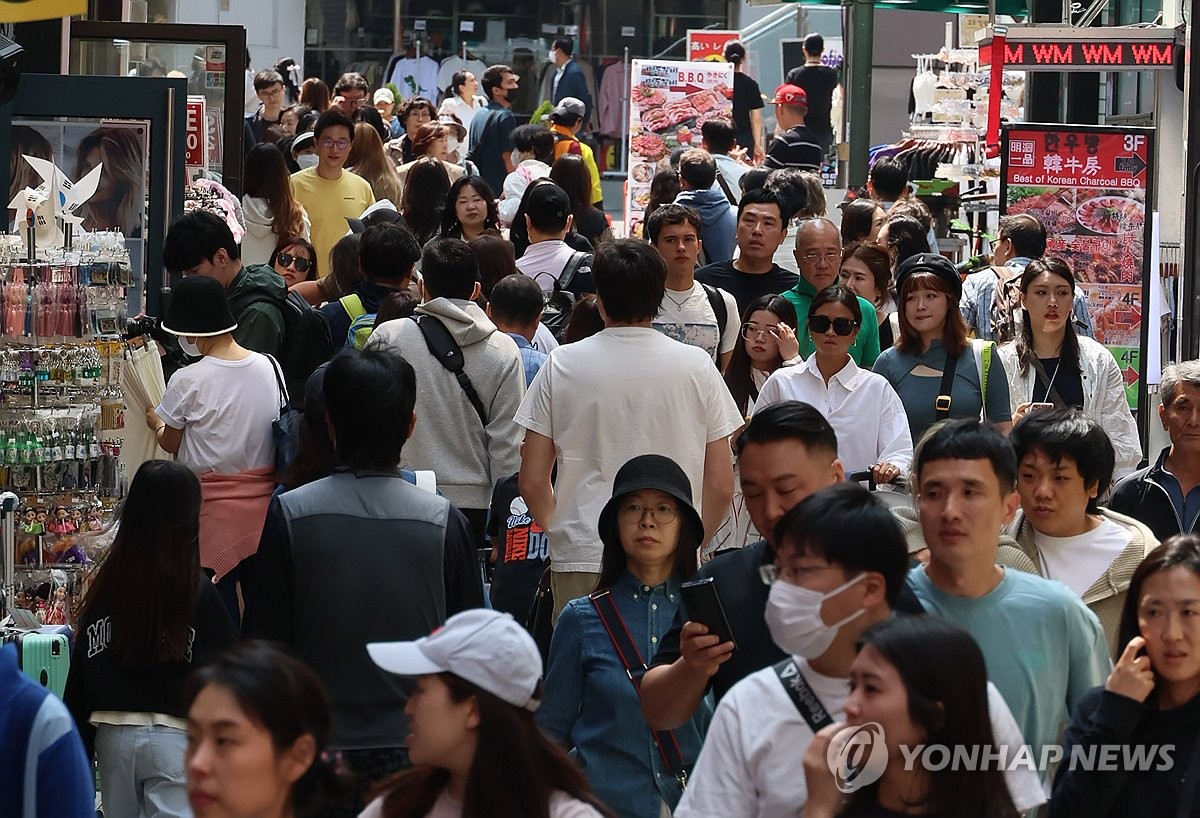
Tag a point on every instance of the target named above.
point(688, 317)
point(623, 392)
point(544, 262)
point(1078, 561)
point(750, 767)
point(544, 340)
point(225, 409)
point(861, 406)
point(561, 806)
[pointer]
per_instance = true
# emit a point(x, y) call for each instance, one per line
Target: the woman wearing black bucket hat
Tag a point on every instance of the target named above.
point(651, 533)
point(216, 417)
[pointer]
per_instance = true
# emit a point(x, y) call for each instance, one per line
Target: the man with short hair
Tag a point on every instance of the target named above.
point(1166, 495)
point(491, 147)
point(697, 177)
point(719, 139)
point(1020, 239)
point(200, 243)
point(887, 182)
point(515, 307)
point(566, 120)
point(819, 81)
point(965, 475)
point(1065, 463)
point(795, 146)
point(466, 436)
point(549, 260)
point(761, 228)
point(268, 87)
point(568, 76)
point(328, 192)
point(387, 256)
point(690, 312)
point(818, 257)
point(362, 556)
point(625, 391)
point(350, 93)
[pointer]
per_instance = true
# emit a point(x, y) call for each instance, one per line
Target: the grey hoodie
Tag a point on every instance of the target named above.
point(448, 437)
point(718, 220)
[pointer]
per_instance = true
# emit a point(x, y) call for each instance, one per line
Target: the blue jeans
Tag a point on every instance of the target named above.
point(142, 771)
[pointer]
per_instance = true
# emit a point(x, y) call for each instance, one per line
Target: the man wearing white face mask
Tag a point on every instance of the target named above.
point(839, 567)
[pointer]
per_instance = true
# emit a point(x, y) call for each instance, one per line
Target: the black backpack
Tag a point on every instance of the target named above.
point(556, 313)
point(306, 341)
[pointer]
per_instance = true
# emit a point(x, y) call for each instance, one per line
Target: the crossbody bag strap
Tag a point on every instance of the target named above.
point(725, 188)
point(635, 667)
point(941, 405)
point(798, 690)
point(1052, 394)
point(283, 393)
point(449, 354)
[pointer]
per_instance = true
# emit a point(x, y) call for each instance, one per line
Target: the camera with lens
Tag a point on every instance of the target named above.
point(142, 325)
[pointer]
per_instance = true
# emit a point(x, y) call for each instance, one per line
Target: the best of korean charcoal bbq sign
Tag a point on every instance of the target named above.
point(669, 102)
point(1090, 187)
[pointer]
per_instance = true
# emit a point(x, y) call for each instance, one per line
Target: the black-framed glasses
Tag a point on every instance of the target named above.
point(752, 333)
point(287, 260)
point(820, 324)
point(663, 513)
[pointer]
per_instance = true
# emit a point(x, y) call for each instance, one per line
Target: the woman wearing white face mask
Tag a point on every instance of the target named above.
point(532, 155)
point(216, 417)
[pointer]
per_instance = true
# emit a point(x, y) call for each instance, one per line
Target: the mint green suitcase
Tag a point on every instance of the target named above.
point(45, 658)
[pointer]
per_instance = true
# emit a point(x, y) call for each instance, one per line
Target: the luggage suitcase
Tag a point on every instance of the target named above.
point(44, 657)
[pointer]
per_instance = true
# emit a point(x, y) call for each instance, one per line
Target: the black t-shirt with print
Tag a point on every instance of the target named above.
point(523, 550)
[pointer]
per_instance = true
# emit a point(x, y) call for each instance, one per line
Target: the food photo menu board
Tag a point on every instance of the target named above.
point(669, 102)
point(1091, 188)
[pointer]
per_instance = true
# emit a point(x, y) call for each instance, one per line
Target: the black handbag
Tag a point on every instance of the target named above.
point(286, 428)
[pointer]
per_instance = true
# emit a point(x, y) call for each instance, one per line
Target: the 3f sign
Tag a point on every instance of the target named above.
point(1134, 142)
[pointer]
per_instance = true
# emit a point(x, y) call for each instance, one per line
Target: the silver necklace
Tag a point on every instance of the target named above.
point(679, 304)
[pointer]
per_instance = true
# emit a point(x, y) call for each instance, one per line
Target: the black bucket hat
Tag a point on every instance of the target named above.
point(199, 309)
point(934, 263)
point(649, 471)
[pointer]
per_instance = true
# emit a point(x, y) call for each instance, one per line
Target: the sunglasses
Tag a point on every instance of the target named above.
point(820, 324)
point(302, 264)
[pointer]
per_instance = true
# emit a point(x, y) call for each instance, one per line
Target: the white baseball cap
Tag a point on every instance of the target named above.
point(487, 648)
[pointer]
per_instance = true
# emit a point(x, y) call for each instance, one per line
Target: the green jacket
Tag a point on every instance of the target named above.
point(256, 297)
point(865, 348)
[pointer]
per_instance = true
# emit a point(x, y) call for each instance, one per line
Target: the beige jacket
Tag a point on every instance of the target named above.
point(1106, 597)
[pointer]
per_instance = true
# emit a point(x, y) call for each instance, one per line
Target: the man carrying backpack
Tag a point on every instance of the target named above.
point(387, 253)
point(470, 378)
point(549, 260)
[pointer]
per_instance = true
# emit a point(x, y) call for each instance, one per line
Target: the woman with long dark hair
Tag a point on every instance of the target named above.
point(367, 159)
point(769, 342)
point(272, 213)
point(496, 260)
point(476, 750)
point(315, 94)
point(933, 341)
point(257, 728)
point(1049, 363)
point(923, 681)
point(904, 237)
point(425, 193)
point(651, 532)
point(470, 210)
point(867, 271)
point(1150, 702)
point(149, 617)
point(861, 221)
point(573, 176)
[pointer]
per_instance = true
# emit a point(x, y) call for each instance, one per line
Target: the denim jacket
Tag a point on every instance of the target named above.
point(979, 291)
point(590, 704)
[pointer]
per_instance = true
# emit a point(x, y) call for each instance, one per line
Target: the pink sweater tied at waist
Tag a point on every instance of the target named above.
point(232, 514)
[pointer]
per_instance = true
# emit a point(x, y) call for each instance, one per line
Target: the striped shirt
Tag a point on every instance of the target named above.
point(794, 148)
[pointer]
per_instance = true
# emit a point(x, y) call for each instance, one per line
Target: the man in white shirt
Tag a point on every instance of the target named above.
point(548, 219)
point(694, 313)
point(844, 546)
point(625, 391)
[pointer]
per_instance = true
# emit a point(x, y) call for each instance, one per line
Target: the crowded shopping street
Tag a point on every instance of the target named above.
point(531, 410)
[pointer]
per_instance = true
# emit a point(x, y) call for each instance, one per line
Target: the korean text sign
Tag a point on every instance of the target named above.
point(1091, 189)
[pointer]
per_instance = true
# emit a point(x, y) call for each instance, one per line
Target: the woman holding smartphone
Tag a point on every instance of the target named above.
point(650, 532)
point(1049, 365)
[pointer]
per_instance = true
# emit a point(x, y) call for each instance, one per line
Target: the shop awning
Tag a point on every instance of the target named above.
point(1013, 8)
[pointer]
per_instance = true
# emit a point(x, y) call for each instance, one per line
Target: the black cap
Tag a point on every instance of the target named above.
point(199, 308)
point(547, 203)
point(938, 265)
point(649, 471)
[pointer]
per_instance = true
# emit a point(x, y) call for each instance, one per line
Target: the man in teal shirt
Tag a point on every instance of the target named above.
point(819, 258)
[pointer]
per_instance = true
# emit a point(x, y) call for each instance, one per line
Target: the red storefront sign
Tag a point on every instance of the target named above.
point(706, 44)
point(196, 140)
point(1039, 48)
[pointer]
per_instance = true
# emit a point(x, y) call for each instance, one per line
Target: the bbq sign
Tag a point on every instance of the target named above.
point(669, 101)
point(1090, 188)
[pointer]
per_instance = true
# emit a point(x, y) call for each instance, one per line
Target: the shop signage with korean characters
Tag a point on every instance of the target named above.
point(707, 44)
point(1091, 188)
point(668, 103)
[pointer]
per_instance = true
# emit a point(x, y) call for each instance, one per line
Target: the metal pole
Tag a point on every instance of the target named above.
point(861, 54)
point(8, 551)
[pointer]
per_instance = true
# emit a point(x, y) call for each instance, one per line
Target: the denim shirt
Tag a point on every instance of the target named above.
point(590, 704)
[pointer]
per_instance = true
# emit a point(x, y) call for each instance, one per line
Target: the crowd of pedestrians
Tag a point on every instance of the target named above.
point(576, 526)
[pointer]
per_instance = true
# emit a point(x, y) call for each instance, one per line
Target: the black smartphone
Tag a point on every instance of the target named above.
point(704, 606)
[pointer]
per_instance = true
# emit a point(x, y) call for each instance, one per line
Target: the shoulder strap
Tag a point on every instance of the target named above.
point(635, 668)
point(725, 187)
point(1052, 393)
point(719, 308)
point(570, 269)
point(283, 393)
point(942, 404)
point(353, 305)
point(798, 690)
point(443, 347)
